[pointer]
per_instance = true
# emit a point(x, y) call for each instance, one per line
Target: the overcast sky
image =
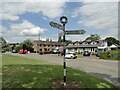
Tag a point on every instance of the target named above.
point(23, 20)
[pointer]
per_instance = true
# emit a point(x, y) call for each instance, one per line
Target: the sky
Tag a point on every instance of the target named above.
point(25, 20)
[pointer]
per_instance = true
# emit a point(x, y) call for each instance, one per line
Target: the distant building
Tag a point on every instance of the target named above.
point(46, 46)
point(88, 45)
point(114, 47)
point(13, 44)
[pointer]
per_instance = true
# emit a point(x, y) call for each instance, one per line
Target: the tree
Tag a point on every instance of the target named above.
point(111, 40)
point(66, 41)
point(93, 37)
point(27, 45)
point(4, 43)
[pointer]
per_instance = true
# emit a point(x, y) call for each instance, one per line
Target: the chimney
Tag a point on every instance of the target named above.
point(48, 40)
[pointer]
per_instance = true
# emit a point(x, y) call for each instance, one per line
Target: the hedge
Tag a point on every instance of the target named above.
point(18, 48)
point(113, 55)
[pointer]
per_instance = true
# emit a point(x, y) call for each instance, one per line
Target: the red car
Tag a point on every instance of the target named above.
point(62, 53)
point(23, 52)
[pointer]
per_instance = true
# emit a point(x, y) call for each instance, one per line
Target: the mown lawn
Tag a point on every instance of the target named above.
point(20, 72)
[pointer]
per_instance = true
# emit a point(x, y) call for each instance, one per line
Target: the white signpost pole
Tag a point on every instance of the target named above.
point(64, 20)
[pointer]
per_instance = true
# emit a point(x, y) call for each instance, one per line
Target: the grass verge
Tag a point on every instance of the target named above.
point(40, 74)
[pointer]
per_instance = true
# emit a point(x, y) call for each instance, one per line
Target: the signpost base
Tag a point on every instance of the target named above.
point(64, 83)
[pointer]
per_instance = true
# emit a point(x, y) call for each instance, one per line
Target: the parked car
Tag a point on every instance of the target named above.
point(57, 50)
point(98, 53)
point(71, 55)
point(2, 51)
point(14, 51)
point(61, 53)
point(22, 52)
point(86, 53)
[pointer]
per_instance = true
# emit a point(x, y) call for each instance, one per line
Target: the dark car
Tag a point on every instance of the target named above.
point(2, 51)
point(86, 53)
point(98, 53)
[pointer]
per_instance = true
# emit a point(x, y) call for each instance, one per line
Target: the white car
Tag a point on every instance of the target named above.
point(71, 55)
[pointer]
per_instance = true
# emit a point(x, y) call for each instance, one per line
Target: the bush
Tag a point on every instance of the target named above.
point(79, 52)
point(41, 53)
point(38, 51)
point(113, 55)
point(34, 52)
point(18, 48)
point(8, 49)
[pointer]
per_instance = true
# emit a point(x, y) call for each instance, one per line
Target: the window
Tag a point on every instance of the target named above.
point(45, 49)
point(40, 49)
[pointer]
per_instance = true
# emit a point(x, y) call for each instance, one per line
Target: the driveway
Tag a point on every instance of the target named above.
point(105, 69)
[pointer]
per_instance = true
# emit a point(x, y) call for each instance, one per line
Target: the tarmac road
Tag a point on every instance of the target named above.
point(105, 69)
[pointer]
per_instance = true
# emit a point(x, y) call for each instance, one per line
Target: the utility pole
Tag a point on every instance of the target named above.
point(38, 40)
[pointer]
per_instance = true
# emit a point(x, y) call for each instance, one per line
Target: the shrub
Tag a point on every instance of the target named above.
point(34, 52)
point(18, 48)
point(8, 49)
point(41, 53)
point(38, 51)
point(79, 52)
point(113, 54)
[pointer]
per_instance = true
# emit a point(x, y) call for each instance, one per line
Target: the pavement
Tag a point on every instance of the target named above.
point(105, 69)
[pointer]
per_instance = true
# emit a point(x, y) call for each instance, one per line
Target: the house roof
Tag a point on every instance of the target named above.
point(86, 46)
point(113, 46)
point(50, 43)
point(81, 46)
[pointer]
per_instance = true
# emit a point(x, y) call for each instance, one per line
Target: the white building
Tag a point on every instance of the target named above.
point(87, 45)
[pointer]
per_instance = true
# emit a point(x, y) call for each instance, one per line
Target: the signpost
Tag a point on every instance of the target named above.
point(64, 20)
point(74, 32)
point(56, 25)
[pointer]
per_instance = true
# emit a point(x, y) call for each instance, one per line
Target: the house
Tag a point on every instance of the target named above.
point(114, 47)
point(13, 44)
point(87, 45)
point(46, 46)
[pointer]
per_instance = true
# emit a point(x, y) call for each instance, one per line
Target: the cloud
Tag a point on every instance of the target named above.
point(98, 16)
point(24, 25)
point(11, 11)
point(26, 28)
point(21, 31)
point(33, 31)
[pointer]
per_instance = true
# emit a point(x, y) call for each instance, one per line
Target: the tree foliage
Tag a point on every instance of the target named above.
point(112, 40)
point(3, 40)
point(66, 41)
point(93, 37)
point(4, 43)
point(27, 45)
